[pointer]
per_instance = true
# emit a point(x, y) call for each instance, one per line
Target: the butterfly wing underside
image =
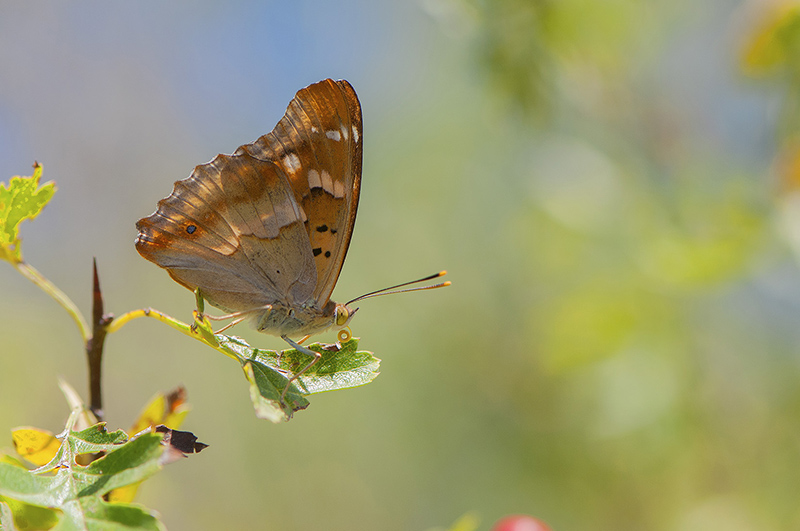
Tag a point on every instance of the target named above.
point(234, 230)
point(318, 143)
point(272, 222)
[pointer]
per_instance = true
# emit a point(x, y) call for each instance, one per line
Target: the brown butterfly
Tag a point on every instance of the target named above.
point(263, 233)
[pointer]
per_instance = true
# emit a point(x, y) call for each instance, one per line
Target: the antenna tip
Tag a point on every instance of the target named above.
point(447, 283)
point(442, 273)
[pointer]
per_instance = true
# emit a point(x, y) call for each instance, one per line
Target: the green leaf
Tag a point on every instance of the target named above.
point(265, 391)
point(268, 372)
point(93, 439)
point(22, 199)
point(22, 516)
point(91, 513)
point(339, 368)
point(73, 493)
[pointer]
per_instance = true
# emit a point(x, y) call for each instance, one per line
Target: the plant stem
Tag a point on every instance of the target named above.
point(29, 272)
point(127, 317)
point(94, 347)
point(200, 330)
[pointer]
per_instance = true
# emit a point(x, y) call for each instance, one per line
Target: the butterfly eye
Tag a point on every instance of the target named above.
point(342, 315)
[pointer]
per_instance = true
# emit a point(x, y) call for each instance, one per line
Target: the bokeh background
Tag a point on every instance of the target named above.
point(611, 185)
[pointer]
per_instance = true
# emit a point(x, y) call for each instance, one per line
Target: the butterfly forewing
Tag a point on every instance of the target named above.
point(318, 143)
point(271, 223)
point(234, 230)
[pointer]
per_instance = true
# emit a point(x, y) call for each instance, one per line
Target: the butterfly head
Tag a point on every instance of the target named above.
point(342, 315)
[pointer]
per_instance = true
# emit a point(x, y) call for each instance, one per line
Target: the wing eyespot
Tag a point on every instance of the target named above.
point(191, 229)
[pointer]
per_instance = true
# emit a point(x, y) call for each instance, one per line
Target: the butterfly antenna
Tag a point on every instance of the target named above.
point(393, 289)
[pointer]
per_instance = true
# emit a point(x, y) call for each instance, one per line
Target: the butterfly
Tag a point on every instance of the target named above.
point(263, 233)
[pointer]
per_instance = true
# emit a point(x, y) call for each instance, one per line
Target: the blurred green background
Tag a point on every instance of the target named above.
point(611, 185)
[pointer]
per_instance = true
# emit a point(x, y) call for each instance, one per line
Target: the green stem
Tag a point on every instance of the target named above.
point(200, 330)
point(29, 272)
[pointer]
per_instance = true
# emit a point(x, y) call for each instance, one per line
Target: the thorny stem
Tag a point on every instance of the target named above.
point(94, 346)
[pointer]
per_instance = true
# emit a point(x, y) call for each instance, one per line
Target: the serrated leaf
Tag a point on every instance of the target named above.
point(129, 463)
point(97, 515)
point(22, 199)
point(23, 485)
point(338, 368)
point(267, 372)
point(92, 440)
point(76, 491)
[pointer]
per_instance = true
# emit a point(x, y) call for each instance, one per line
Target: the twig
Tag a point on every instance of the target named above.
point(94, 346)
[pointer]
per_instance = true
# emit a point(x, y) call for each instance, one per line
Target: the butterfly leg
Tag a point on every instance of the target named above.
point(232, 323)
point(243, 314)
point(296, 375)
point(237, 317)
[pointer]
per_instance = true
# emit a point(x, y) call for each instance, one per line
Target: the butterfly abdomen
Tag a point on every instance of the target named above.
point(296, 322)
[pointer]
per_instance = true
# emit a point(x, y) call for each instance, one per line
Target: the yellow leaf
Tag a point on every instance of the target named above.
point(123, 494)
point(35, 445)
point(170, 410)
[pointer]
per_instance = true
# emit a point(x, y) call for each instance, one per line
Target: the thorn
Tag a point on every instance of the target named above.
point(97, 299)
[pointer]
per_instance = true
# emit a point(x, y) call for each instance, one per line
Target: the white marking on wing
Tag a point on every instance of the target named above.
point(344, 131)
point(355, 134)
point(327, 182)
point(333, 135)
point(292, 162)
point(338, 189)
point(313, 179)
